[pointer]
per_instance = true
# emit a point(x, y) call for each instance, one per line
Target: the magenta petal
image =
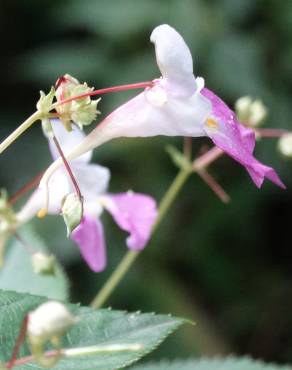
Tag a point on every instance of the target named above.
point(237, 141)
point(135, 213)
point(90, 238)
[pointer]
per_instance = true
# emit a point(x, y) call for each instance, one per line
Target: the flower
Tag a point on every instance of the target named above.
point(133, 212)
point(177, 105)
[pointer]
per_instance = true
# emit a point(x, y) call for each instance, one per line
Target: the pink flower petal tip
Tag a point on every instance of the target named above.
point(236, 140)
point(90, 238)
point(135, 213)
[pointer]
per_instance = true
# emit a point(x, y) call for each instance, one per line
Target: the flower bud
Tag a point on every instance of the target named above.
point(44, 105)
point(49, 320)
point(285, 145)
point(43, 263)
point(72, 211)
point(81, 111)
point(250, 112)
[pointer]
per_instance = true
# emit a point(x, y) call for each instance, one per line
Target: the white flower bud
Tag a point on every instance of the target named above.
point(72, 212)
point(49, 320)
point(285, 145)
point(250, 112)
point(43, 263)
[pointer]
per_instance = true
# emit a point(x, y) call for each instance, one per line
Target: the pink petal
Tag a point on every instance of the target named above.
point(237, 140)
point(90, 238)
point(135, 213)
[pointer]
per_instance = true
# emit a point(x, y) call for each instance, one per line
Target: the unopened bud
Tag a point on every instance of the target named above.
point(285, 145)
point(44, 105)
point(82, 111)
point(43, 263)
point(72, 211)
point(250, 112)
point(49, 320)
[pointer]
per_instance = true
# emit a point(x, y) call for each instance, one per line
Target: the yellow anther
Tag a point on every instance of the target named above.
point(42, 212)
point(211, 123)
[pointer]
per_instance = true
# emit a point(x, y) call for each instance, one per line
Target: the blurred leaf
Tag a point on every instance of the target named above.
point(114, 20)
point(17, 273)
point(46, 64)
point(104, 327)
point(231, 363)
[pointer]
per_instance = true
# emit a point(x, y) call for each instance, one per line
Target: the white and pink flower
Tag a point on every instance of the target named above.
point(133, 212)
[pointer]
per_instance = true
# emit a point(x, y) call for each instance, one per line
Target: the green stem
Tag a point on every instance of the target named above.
point(131, 256)
point(20, 129)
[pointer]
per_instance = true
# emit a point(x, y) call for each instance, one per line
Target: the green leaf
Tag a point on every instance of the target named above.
point(95, 327)
point(230, 363)
point(17, 273)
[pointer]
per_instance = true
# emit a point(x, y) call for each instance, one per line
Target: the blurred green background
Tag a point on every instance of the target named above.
point(227, 267)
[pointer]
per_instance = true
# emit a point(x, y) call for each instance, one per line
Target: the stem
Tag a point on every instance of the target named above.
point(271, 132)
point(20, 129)
point(131, 256)
point(139, 85)
point(68, 168)
point(213, 184)
point(32, 184)
point(19, 341)
point(26, 246)
point(199, 164)
point(83, 351)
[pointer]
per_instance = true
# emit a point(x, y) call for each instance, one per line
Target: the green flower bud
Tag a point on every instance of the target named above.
point(72, 212)
point(44, 105)
point(43, 264)
point(82, 111)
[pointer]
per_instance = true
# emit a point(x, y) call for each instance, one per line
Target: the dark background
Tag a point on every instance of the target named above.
point(227, 267)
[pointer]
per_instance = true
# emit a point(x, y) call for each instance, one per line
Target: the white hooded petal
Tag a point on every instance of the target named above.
point(67, 141)
point(93, 179)
point(174, 58)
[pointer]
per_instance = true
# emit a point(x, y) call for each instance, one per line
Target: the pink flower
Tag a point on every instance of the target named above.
point(177, 105)
point(133, 212)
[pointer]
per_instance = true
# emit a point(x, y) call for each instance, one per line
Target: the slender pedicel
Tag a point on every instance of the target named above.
point(139, 85)
point(23, 243)
point(43, 211)
point(19, 341)
point(29, 186)
point(20, 130)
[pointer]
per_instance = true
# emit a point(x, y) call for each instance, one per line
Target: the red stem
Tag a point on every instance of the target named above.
point(207, 158)
point(139, 85)
point(33, 183)
point(68, 168)
point(271, 132)
point(19, 341)
point(214, 185)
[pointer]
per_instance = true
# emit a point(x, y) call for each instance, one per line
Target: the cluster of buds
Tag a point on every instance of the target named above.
point(250, 112)
point(81, 111)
